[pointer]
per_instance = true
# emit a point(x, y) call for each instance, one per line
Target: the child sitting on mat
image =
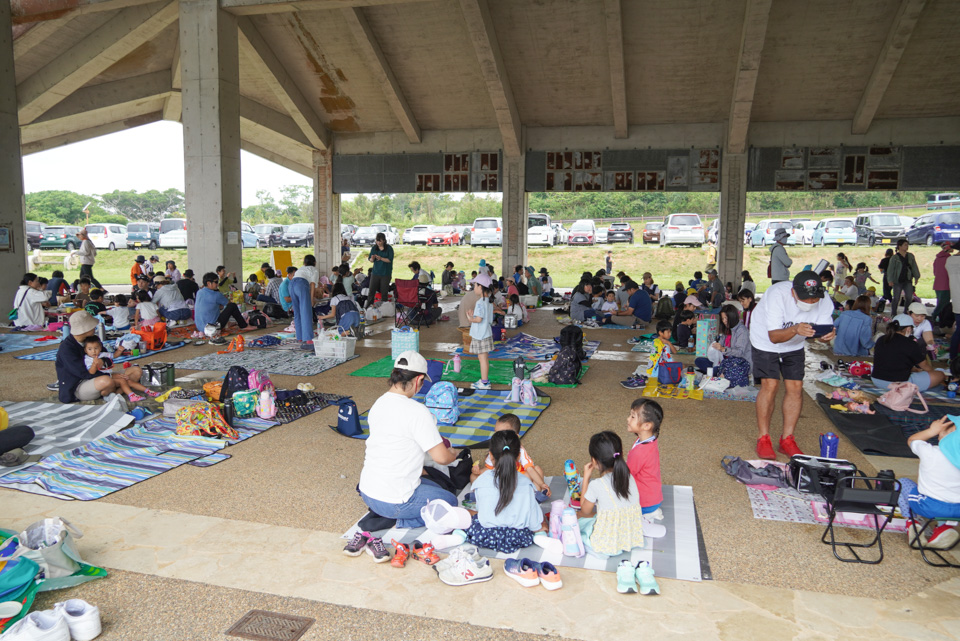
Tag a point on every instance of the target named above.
point(610, 518)
point(937, 490)
point(147, 314)
point(120, 313)
point(507, 510)
point(644, 461)
point(96, 361)
point(608, 307)
point(525, 464)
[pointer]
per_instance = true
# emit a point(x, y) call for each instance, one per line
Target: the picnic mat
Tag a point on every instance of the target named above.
point(51, 354)
point(123, 459)
point(299, 363)
point(934, 396)
point(479, 411)
point(792, 506)
point(61, 427)
point(17, 342)
point(530, 347)
point(501, 372)
point(675, 556)
point(870, 433)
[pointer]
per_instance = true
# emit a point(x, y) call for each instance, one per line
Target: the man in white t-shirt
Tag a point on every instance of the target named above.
point(401, 431)
point(783, 319)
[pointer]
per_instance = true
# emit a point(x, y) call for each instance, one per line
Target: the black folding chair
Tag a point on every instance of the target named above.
point(915, 537)
point(862, 495)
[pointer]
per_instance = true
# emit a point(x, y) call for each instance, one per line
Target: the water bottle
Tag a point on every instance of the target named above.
point(456, 363)
point(101, 333)
point(828, 445)
point(65, 330)
point(691, 377)
point(515, 390)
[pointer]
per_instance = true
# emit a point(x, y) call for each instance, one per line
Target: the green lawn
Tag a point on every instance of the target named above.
point(668, 265)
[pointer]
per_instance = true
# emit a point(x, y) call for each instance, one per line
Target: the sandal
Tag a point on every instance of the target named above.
point(424, 552)
point(400, 558)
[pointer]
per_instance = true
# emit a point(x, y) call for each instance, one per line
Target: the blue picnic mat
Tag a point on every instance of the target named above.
point(51, 354)
point(479, 412)
point(17, 342)
point(530, 347)
point(123, 459)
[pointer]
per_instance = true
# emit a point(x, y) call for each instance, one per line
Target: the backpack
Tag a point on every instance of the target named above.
point(345, 306)
point(664, 308)
point(258, 380)
point(257, 319)
point(899, 396)
point(275, 310)
point(348, 419)
point(442, 402)
point(245, 402)
point(236, 380)
point(571, 335)
point(267, 403)
point(528, 393)
point(566, 368)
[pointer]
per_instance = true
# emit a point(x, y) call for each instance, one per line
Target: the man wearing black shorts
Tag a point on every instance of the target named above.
point(782, 321)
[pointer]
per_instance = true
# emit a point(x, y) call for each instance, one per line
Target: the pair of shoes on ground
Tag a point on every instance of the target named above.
point(634, 382)
point(423, 552)
point(366, 542)
point(943, 537)
point(463, 566)
point(481, 384)
point(786, 446)
point(73, 619)
point(630, 577)
point(530, 574)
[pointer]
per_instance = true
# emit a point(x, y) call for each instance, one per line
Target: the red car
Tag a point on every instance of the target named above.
point(443, 236)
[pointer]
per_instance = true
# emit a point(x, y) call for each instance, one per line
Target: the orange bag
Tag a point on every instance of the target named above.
point(155, 338)
point(212, 390)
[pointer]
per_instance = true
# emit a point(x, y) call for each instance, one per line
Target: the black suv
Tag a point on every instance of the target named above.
point(879, 229)
point(620, 232)
point(34, 234)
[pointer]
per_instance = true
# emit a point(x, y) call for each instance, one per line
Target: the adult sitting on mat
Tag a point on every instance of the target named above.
point(209, 301)
point(897, 357)
point(639, 307)
point(170, 301)
point(401, 431)
point(854, 337)
point(75, 382)
point(12, 440)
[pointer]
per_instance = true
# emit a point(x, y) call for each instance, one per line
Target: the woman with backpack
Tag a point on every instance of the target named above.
point(898, 358)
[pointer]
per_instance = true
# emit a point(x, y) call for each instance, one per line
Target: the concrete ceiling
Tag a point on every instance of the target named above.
point(380, 75)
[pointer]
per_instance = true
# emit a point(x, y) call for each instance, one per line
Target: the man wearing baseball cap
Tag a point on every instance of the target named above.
point(74, 380)
point(392, 484)
point(782, 321)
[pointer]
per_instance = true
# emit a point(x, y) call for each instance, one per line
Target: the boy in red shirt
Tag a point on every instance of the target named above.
point(644, 459)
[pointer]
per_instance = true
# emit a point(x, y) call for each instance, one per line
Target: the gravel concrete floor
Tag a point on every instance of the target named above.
point(303, 474)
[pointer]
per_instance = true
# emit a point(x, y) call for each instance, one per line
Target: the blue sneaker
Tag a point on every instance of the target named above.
point(634, 340)
point(634, 382)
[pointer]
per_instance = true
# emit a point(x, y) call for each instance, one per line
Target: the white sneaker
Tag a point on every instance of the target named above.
point(480, 385)
point(45, 625)
point(82, 618)
point(465, 570)
point(466, 550)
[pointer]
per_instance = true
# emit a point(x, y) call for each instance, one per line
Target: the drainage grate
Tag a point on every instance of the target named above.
point(261, 625)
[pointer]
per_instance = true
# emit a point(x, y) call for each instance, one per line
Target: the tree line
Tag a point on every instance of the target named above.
point(295, 204)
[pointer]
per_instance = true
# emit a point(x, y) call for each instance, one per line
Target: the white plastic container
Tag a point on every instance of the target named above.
point(341, 349)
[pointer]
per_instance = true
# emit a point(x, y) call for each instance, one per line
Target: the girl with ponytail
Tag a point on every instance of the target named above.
point(507, 510)
point(898, 358)
point(609, 492)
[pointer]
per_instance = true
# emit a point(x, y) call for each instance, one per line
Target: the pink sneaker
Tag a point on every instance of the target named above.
point(151, 393)
point(134, 398)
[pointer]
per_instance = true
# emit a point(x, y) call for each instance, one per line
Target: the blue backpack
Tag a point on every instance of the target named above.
point(442, 402)
point(348, 419)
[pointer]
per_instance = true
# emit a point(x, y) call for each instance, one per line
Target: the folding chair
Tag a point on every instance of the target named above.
point(862, 495)
point(408, 301)
point(916, 540)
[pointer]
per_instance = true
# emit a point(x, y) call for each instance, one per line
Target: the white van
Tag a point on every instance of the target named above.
point(173, 232)
point(540, 230)
point(486, 231)
point(947, 200)
point(107, 235)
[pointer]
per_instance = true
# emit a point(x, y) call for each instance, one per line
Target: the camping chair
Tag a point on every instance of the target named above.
point(863, 495)
point(916, 539)
point(408, 302)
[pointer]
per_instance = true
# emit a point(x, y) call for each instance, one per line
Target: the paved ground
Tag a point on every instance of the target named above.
point(195, 548)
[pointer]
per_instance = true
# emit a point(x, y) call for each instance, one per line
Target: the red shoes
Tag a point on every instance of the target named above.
point(789, 447)
point(765, 448)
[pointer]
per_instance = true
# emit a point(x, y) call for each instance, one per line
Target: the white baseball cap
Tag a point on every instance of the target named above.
point(441, 517)
point(919, 309)
point(412, 362)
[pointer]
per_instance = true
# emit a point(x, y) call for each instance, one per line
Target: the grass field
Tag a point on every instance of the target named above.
point(667, 265)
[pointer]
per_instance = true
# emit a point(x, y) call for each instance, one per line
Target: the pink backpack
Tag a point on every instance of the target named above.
point(899, 396)
point(258, 380)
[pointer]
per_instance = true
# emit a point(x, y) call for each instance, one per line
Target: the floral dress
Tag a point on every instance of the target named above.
point(618, 526)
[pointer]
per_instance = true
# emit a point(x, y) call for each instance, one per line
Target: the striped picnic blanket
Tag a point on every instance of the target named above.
point(51, 354)
point(120, 460)
point(530, 347)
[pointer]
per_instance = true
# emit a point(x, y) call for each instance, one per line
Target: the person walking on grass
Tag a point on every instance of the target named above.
point(88, 256)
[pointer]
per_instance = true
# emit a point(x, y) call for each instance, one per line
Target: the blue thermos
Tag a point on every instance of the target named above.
point(828, 445)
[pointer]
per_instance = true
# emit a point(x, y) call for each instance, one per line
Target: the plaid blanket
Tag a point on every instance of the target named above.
point(501, 372)
point(51, 354)
point(530, 347)
point(479, 412)
point(296, 363)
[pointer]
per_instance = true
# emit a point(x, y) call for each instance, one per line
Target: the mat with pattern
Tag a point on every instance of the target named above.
point(791, 506)
point(291, 363)
point(566, 320)
point(500, 373)
point(530, 347)
point(51, 354)
point(675, 556)
point(479, 411)
point(17, 342)
point(120, 460)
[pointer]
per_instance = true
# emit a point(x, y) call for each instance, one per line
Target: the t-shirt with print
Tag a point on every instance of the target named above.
point(523, 461)
point(937, 477)
point(778, 310)
point(401, 431)
point(644, 463)
point(600, 493)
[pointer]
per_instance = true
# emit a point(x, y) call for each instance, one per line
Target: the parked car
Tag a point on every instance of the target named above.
point(878, 228)
point(763, 233)
point(651, 231)
point(248, 236)
point(747, 229)
point(416, 235)
point(713, 231)
point(107, 235)
point(464, 231)
point(682, 229)
point(602, 233)
point(347, 231)
point(834, 231)
point(298, 235)
point(932, 229)
point(392, 235)
point(443, 236)
point(60, 237)
point(620, 232)
point(486, 231)
point(583, 232)
point(540, 230)
point(34, 233)
point(949, 200)
point(365, 236)
point(805, 231)
point(173, 232)
point(268, 234)
point(143, 235)
point(562, 236)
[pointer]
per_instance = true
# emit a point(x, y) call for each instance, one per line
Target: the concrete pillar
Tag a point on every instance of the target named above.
point(12, 262)
point(210, 77)
point(514, 214)
point(733, 215)
point(326, 213)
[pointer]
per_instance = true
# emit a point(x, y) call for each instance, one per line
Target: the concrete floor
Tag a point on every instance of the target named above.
point(193, 549)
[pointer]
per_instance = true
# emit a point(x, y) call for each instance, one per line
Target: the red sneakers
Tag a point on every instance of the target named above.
point(765, 448)
point(789, 447)
point(943, 537)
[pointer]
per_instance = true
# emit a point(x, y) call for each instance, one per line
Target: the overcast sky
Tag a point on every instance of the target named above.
point(142, 158)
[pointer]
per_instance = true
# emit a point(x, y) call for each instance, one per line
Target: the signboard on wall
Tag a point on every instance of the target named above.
point(624, 170)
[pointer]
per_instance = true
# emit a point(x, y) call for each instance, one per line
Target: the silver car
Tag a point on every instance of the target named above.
point(682, 229)
point(486, 231)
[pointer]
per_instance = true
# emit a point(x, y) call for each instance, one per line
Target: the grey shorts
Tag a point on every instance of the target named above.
point(789, 365)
